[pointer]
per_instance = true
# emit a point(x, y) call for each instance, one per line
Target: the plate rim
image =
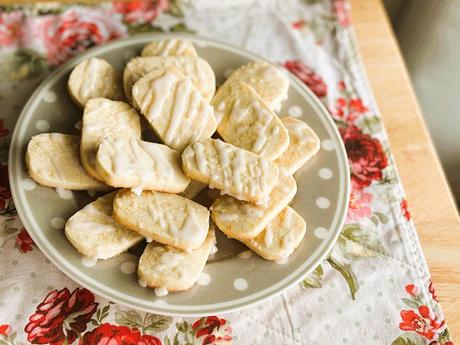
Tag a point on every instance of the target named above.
point(81, 278)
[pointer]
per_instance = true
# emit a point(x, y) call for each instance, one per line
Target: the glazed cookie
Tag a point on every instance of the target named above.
point(169, 47)
point(242, 220)
point(53, 160)
point(137, 164)
point(166, 218)
point(174, 108)
point(101, 118)
point(94, 78)
point(232, 170)
point(280, 237)
point(247, 122)
point(94, 232)
point(268, 81)
point(197, 69)
point(168, 269)
point(303, 144)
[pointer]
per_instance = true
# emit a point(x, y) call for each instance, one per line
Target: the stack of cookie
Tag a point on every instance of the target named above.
point(173, 89)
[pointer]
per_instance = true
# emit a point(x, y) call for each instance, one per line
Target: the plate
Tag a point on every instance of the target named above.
point(235, 278)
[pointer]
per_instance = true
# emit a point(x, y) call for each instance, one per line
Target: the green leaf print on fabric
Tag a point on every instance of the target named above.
point(146, 323)
point(357, 241)
point(314, 279)
point(347, 273)
point(175, 9)
point(407, 341)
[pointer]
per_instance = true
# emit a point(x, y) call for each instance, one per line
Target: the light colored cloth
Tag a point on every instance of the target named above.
point(375, 286)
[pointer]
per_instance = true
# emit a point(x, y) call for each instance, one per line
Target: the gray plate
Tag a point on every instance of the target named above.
point(232, 280)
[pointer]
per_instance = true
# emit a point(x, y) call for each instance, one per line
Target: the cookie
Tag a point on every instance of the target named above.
point(268, 81)
point(137, 164)
point(95, 233)
point(230, 169)
point(169, 47)
point(197, 69)
point(242, 220)
point(247, 122)
point(169, 269)
point(53, 160)
point(166, 218)
point(174, 108)
point(94, 78)
point(280, 237)
point(303, 144)
point(101, 118)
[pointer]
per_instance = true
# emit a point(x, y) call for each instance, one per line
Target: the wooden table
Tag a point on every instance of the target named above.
point(430, 201)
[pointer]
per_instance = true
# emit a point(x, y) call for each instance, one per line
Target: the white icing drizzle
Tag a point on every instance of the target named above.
point(300, 132)
point(200, 158)
point(268, 238)
point(161, 88)
point(160, 291)
point(238, 114)
point(90, 78)
point(88, 261)
point(142, 282)
point(263, 122)
point(190, 228)
point(137, 190)
point(183, 92)
point(287, 218)
point(287, 246)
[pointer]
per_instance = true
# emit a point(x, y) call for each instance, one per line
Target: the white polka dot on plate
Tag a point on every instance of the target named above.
point(321, 232)
point(295, 111)
point(160, 303)
point(128, 267)
point(240, 284)
point(204, 279)
point(57, 222)
point(323, 202)
point(325, 173)
point(42, 125)
point(64, 193)
point(328, 145)
point(49, 96)
point(29, 184)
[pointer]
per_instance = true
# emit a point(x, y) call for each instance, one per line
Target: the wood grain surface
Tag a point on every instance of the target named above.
point(430, 201)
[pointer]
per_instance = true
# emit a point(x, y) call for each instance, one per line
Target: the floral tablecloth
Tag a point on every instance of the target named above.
point(375, 286)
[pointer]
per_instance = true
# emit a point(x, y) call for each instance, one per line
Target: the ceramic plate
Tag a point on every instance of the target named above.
point(235, 278)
